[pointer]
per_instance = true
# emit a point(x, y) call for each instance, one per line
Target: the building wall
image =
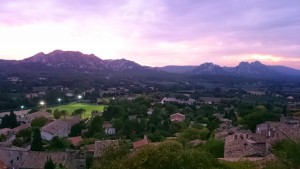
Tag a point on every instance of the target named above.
point(110, 131)
point(64, 132)
point(46, 136)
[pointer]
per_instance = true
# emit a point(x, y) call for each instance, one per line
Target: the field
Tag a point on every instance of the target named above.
point(73, 106)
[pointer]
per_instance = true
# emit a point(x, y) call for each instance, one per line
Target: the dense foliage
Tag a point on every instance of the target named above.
point(9, 121)
point(37, 144)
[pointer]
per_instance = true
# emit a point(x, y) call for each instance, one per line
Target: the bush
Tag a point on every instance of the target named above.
point(288, 152)
point(59, 144)
point(39, 122)
point(2, 138)
point(193, 134)
point(214, 147)
point(18, 142)
point(168, 155)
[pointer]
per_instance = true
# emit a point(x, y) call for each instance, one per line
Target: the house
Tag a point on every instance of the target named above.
point(140, 143)
point(177, 117)
point(28, 118)
point(56, 128)
point(22, 158)
point(190, 101)
point(290, 121)
point(69, 94)
point(31, 95)
point(60, 128)
point(275, 131)
point(109, 129)
point(7, 132)
point(19, 128)
point(222, 134)
point(72, 120)
point(14, 80)
point(75, 140)
point(12, 157)
point(241, 144)
point(103, 145)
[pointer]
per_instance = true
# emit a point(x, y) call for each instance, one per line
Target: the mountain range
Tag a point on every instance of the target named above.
point(72, 61)
point(245, 69)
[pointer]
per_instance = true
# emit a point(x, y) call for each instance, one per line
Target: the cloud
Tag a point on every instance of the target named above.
point(152, 32)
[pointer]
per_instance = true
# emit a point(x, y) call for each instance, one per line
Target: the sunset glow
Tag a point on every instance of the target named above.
point(157, 32)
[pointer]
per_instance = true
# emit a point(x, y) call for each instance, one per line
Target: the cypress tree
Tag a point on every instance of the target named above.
point(37, 144)
point(13, 120)
point(49, 164)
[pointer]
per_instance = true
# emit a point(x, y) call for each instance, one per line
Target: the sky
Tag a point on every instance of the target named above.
point(155, 32)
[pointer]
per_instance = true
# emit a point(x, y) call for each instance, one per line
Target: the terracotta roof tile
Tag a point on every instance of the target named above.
point(141, 143)
point(75, 140)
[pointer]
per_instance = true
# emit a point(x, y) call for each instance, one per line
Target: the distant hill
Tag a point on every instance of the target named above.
point(177, 69)
point(78, 60)
point(72, 66)
point(208, 68)
point(244, 69)
point(285, 70)
point(76, 64)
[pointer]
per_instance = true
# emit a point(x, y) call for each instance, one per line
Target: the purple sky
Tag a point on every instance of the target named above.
point(155, 32)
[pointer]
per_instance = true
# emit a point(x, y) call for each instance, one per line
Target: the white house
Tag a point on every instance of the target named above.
point(56, 128)
point(109, 129)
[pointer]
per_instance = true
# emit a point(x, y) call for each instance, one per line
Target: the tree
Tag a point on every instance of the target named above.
point(167, 155)
point(76, 129)
point(9, 121)
point(88, 161)
point(37, 144)
point(193, 134)
point(49, 164)
point(113, 111)
point(95, 126)
point(58, 143)
point(5, 122)
point(22, 137)
point(39, 122)
point(56, 114)
point(60, 166)
point(33, 110)
point(79, 112)
point(288, 152)
point(260, 115)
point(214, 147)
point(13, 120)
point(171, 108)
point(64, 113)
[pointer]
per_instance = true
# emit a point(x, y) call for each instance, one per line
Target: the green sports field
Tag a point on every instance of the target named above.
point(74, 106)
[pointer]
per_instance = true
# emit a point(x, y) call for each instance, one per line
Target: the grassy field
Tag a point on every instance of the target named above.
point(73, 106)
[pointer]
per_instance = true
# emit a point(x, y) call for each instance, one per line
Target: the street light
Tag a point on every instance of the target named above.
point(79, 96)
point(59, 100)
point(22, 107)
point(42, 103)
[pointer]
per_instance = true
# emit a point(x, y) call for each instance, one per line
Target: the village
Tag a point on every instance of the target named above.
point(74, 142)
